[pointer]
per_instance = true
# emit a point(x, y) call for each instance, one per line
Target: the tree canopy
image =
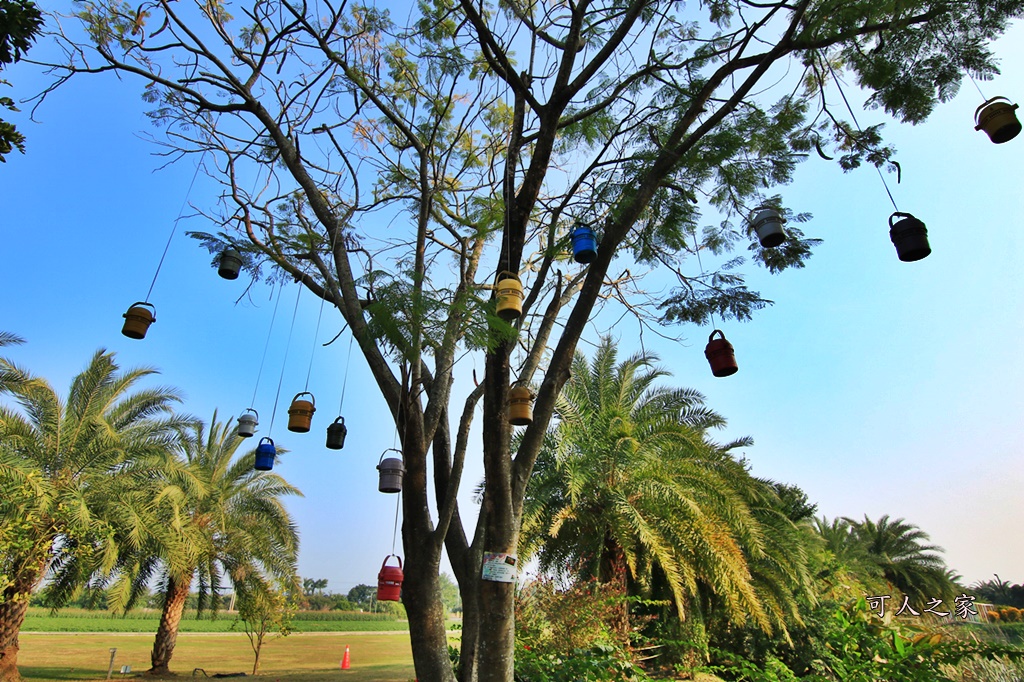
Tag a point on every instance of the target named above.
point(397, 166)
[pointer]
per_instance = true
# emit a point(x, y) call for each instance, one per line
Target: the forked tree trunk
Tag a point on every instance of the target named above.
point(167, 633)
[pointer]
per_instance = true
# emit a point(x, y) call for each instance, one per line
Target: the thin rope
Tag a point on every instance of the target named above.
point(313, 352)
point(174, 228)
point(696, 249)
point(394, 533)
point(976, 86)
point(285, 362)
point(344, 383)
point(252, 403)
point(854, 117)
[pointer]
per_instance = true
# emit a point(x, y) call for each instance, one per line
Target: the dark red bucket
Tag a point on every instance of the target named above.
point(721, 355)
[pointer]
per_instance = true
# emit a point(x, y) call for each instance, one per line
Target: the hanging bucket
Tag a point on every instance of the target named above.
point(997, 118)
point(247, 423)
point(300, 414)
point(584, 244)
point(910, 237)
point(389, 580)
point(510, 296)
point(767, 222)
point(230, 263)
point(520, 406)
point(138, 319)
point(336, 433)
point(265, 454)
point(391, 471)
point(721, 355)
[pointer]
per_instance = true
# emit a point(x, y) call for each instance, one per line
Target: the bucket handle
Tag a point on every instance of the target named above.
point(720, 334)
point(508, 274)
point(381, 459)
point(340, 419)
point(899, 213)
point(138, 303)
point(249, 409)
point(312, 397)
point(268, 439)
point(985, 104)
point(385, 562)
point(766, 207)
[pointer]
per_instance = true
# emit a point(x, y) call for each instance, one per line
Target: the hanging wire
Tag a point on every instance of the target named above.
point(696, 249)
point(313, 353)
point(394, 533)
point(252, 403)
point(344, 383)
point(285, 362)
point(174, 228)
point(854, 117)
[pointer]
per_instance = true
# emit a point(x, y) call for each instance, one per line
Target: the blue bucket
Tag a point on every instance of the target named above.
point(584, 244)
point(265, 454)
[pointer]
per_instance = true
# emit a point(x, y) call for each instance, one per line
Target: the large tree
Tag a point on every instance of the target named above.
point(76, 474)
point(479, 133)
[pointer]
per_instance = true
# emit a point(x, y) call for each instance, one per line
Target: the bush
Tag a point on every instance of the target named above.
point(566, 635)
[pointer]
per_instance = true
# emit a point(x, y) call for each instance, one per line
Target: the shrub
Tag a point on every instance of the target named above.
point(993, 615)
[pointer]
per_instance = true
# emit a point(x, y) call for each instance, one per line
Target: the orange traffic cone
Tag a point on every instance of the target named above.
point(345, 663)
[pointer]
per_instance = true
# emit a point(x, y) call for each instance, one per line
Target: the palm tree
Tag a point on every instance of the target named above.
point(232, 525)
point(629, 488)
point(909, 565)
point(76, 478)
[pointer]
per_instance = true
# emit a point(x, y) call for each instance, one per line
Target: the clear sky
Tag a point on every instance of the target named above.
point(879, 387)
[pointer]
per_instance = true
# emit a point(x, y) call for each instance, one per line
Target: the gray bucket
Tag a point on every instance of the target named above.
point(391, 471)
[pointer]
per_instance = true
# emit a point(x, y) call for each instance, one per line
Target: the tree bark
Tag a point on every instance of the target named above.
point(13, 608)
point(167, 633)
point(12, 615)
point(497, 618)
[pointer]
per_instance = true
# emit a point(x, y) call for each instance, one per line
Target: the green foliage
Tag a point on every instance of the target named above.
point(20, 24)
point(264, 609)
point(629, 480)
point(859, 647)
point(563, 635)
point(81, 472)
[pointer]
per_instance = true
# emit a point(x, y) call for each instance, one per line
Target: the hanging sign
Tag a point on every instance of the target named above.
point(500, 568)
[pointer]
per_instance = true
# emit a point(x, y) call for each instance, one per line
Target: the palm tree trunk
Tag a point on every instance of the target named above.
point(167, 633)
point(12, 615)
point(13, 607)
point(612, 571)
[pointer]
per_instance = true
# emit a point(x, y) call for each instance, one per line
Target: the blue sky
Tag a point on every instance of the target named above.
point(879, 387)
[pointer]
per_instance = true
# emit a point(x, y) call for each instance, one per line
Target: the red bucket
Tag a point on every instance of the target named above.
point(721, 355)
point(389, 580)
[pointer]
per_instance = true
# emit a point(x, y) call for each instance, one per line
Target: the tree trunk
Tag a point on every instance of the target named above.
point(256, 650)
point(612, 571)
point(12, 615)
point(421, 594)
point(497, 618)
point(27, 574)
point(167, 633)
point(470, 648)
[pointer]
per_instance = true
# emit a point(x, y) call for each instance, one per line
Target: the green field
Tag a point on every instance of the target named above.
point(300, 657)
point(81, 620)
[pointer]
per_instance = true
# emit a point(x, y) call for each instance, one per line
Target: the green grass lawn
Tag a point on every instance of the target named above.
point(80, 620)
point(300, 657)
